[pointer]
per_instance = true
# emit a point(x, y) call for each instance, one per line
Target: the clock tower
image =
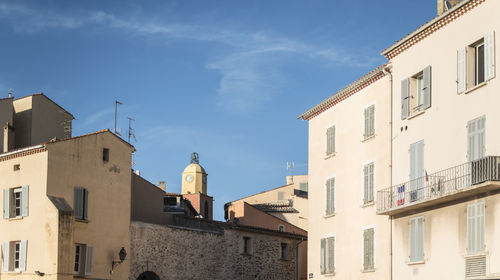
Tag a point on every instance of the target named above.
point(194, 177)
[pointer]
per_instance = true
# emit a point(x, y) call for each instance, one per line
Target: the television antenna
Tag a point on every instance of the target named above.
point(290, 165)
point(116, 115)
point(131, 131)
point(10, 93)
point(447, 5)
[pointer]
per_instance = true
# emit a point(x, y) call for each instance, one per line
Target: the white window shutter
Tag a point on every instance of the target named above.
point(372, 181)
point(332, 193)
point(471, 228)
point(333, 140)
point(405, 98)
point(412, 240)
point(22, 259)
point(480, 227)
point(372, 120)
point(367, 122)
point(88, 259)
point(85, 203)
point(427, 87)
point(24, 201)
point(6, 203)
point(331, 254)
point(366, 182)
point(462, 70)
point(323, 256)
point(489, 56)
point(420, 238)
point(480, 137)
point(6, 254)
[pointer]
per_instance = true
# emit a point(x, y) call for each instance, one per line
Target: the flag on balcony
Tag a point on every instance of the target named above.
point(401, 195)
point(426, 176)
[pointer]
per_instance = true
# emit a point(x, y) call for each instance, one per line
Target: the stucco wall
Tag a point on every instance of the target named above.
point(174, 253)
point(6, 116)
point(147, 202)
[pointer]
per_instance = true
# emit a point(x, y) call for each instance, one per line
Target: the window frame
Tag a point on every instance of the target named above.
point(334, 151)
point(363, 230)
point(364, 201)
point(325, 256)
point(18, 191)
point(284, 252)
point(371, 133)
point(16, 255)
point(476, 46)
point(418, 259)
point(85, 204)
point(247, 245)
point(78, 258)
point(281, 228)
point(477, 219)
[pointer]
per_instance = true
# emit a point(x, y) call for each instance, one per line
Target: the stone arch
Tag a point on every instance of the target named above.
point(148, 275)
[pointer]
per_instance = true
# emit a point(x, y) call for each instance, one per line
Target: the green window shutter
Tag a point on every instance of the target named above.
point(405, 98)
point(6, 203)
point(323, 256)
point(489, 56)
point(78, 203)
point(88, 259)
point(24, 201)
point(22, 259)
point(462, 70)
point(6, 252)
point(85, 204)
point(427, 87)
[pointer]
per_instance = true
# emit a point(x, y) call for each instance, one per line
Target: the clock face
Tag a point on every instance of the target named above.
point(189, 178)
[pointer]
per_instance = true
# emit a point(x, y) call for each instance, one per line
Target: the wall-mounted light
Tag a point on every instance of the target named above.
point(122, 254)
point(39, 273)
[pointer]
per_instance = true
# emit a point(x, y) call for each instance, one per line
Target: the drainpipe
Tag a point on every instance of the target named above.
point(297, 276)
point(388, 72)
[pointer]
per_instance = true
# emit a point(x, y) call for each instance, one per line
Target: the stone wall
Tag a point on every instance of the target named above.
point(180, 253)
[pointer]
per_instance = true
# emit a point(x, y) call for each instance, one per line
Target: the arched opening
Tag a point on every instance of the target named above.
point(148, 275)
point(206, 210)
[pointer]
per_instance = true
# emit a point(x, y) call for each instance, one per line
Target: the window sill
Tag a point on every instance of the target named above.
point(476, 87)
point(416, 262)
point(328, 274)
point(326, 216)
point(364, 205)
point(327, 156)
point(82, 221)
point(368, 138)
point(416, 114)
point(246, 254)
point(368, 270)
point(16, 218)
point(468, 256)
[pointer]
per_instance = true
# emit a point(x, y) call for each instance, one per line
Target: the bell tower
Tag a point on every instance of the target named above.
point(194, 177)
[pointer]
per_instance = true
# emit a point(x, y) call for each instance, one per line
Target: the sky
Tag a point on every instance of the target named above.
point(226, 79)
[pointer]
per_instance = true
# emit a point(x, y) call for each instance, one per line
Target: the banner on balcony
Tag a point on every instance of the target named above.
point(401, 195)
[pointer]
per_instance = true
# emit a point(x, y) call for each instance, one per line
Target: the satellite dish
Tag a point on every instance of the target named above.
point(447, 5)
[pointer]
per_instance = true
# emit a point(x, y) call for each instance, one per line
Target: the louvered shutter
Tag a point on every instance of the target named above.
point(420, 170)
point(78, 203)
point(367, 122)
point(22, 259)
point(6, 254)
point(471, 228)
point(372, 120)
point(327, 210)
point(332, 195)
point(323, 256)
point(366, 182)
point(420, 239)
point(368, 249)
point(480, 137)
point(6, 203)
point(405, 100)
point(489, 56)
point(461, 70)
point(480, 227)
point(413, 242)
point(371, 184)
point(471, 136)
point(331, 254)
point(85, 203)
point(330, 140)
point(88, 259)
point(24, 201)
point(427, 87)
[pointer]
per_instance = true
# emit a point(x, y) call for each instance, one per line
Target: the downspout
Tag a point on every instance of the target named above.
point(297, 277)
point(388, 72)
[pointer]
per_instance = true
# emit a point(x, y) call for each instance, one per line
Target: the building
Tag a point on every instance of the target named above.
point(194, 187)
point(444, 198)
point(436, 171)
point(349, 157)
point(283, 208)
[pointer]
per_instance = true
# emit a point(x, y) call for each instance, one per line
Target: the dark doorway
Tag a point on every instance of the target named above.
point(148, 275)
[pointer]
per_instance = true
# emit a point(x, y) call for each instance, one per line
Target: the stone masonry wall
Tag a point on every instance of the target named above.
point(177, 253)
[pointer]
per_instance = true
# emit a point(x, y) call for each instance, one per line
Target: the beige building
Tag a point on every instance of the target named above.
point(349, 158)
point(444, 197)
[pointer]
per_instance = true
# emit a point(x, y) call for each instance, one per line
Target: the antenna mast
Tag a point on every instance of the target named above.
point(290, 165)
point(116, 115)
point(131, 131)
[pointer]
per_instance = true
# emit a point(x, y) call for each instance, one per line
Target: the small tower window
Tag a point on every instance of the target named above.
point(105, 154)
point(206, 210)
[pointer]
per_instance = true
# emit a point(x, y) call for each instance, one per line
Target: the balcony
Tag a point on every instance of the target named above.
point(450, 186)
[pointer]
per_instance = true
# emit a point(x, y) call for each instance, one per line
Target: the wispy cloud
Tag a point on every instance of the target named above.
point(247, 81)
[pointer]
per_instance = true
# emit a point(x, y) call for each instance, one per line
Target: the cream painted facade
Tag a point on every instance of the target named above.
point(48, 227)
point(352, 152)
point(444, 128)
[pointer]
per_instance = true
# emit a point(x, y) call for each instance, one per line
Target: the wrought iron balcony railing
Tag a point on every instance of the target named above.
point(442, 184)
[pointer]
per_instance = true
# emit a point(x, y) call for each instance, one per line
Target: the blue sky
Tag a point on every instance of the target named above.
point(223, 78)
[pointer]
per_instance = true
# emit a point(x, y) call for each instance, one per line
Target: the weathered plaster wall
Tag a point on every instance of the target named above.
point(176, 253)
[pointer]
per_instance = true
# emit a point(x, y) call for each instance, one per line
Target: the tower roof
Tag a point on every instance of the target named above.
point(194, 167)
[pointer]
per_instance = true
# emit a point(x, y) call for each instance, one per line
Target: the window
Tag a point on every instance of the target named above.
point(83, 259)
point(281, 196)
point(417, 171)
point(207, 211)
point(330, 197)
point(475, 138)
point(14, 253)
point(328, 255)
point(476, 63)
point(369, 249)
point(81, 203)
point(417, 239)
point(15, 202)
point(475, 228)
point(330, 141)
point(17, 167)
point(369, 121)
point(105, 154)
point(247, 245)
point(284, 251)
point(303, 187)
point(281, 228)
point(416, 93)
point(368, 182)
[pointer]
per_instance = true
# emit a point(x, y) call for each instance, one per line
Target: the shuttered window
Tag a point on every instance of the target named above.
point(369, 249)
point(15, 202)
point(330, 196)
point(80, 203)
point(330, 140)
point(368, 182)
point(426, 89)
point(6, 252)
point(417, 171)
point(462, 70)
point(14, 255)
point(369, 121)
point(405, 98)
point(475, 228)
point(489, 56)
point(89, 254)
point(475, 138)
point(417, 239)
point(328, 255)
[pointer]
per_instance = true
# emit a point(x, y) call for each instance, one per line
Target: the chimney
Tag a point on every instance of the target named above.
point(8, 138)
point(162, 185)
point(444, 5)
